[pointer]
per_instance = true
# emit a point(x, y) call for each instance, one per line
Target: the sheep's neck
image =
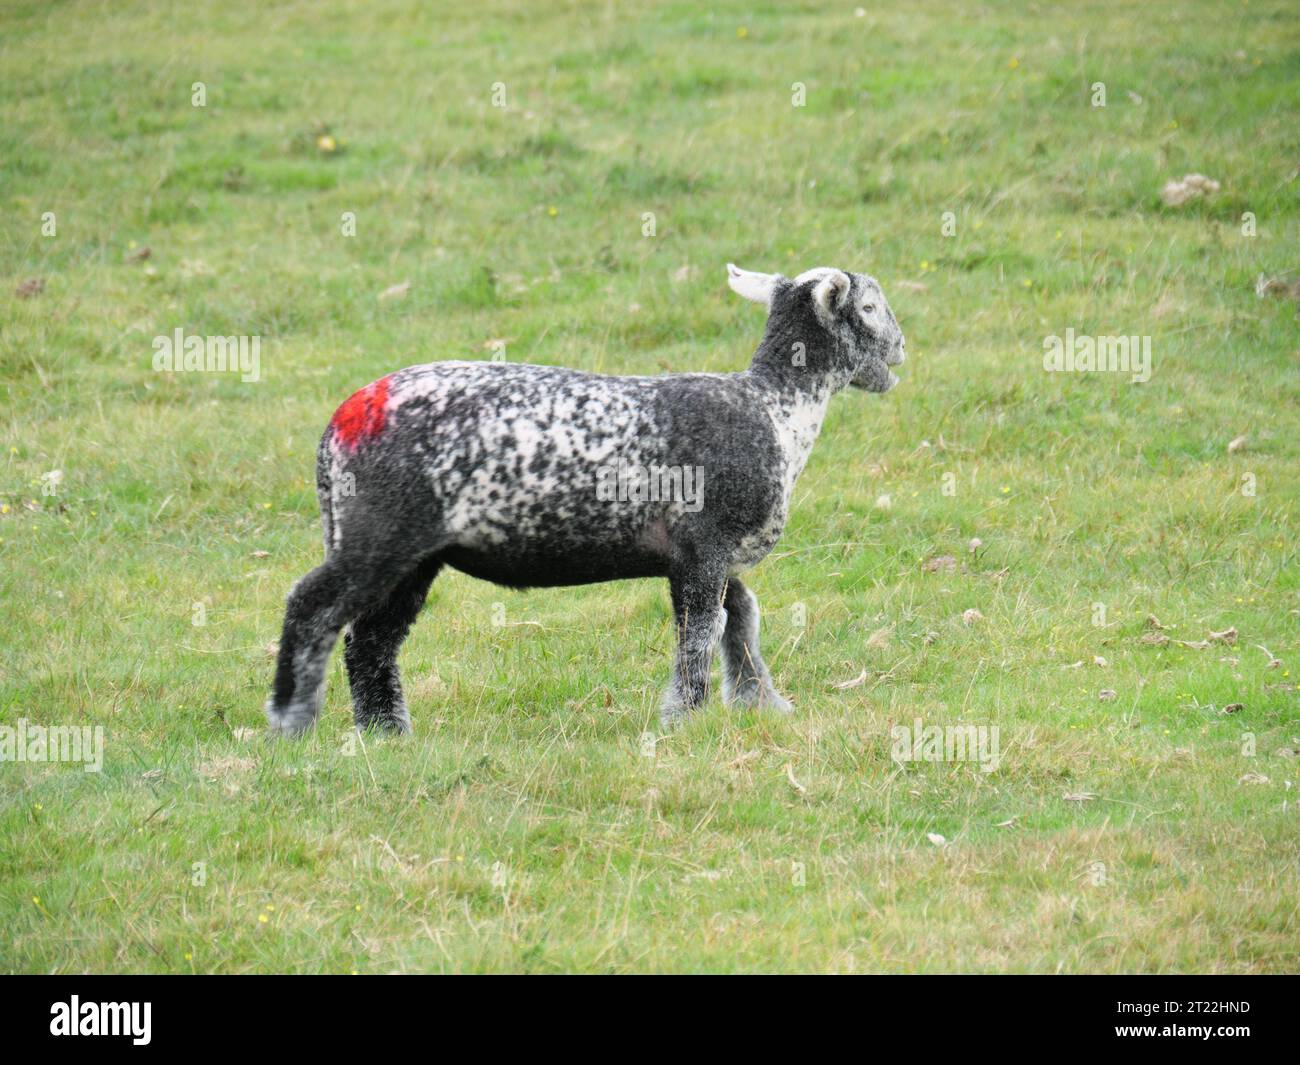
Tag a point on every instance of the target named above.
point(796, 397)
point(788, 366)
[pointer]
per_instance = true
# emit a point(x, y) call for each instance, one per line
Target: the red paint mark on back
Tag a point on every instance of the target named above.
point(362, 415)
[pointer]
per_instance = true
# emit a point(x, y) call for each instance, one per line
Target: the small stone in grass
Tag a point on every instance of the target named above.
point(1191, 187)
point(880, 638)
point(1107, 695)
point(1277, 286)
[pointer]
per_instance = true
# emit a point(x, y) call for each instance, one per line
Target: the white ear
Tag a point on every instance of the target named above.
point(756, 287)
point(832, 291)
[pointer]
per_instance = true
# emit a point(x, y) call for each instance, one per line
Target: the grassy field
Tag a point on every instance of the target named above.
point(531, 824)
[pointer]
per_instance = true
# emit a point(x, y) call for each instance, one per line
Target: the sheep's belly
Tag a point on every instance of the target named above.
point(540, 567)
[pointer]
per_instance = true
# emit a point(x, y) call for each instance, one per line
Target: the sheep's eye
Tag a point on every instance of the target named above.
point(868, 308)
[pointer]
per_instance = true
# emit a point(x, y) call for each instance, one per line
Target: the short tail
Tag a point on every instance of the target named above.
point(325, 490)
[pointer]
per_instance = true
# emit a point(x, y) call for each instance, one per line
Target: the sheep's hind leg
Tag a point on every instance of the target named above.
point(697, 607)
point(370, 651)
point(317, 608)
point(745, 677)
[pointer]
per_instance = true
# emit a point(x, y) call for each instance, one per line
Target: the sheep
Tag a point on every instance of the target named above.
point(538, 476)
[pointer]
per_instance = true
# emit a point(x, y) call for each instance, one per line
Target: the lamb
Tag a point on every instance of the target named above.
point(503, 471)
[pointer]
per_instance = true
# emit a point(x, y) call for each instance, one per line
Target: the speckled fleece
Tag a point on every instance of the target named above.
point(502, 471)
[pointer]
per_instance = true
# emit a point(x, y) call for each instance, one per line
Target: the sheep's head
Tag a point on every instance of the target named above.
point(850, 308)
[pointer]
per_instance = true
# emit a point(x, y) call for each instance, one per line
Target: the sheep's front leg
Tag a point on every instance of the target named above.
point(697, 589)
point(745, 678)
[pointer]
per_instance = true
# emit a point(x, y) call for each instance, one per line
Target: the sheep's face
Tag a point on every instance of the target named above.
point(850, 307)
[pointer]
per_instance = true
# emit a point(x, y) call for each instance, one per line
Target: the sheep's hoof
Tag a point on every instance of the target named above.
point(671, 717)
point(777, 703)
point(293, 721)
point(771, 701)
point(760, 697)
point(673, 711)
point(386, 724)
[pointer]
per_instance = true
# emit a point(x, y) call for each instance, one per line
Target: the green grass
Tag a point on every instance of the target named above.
point(523, 827)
